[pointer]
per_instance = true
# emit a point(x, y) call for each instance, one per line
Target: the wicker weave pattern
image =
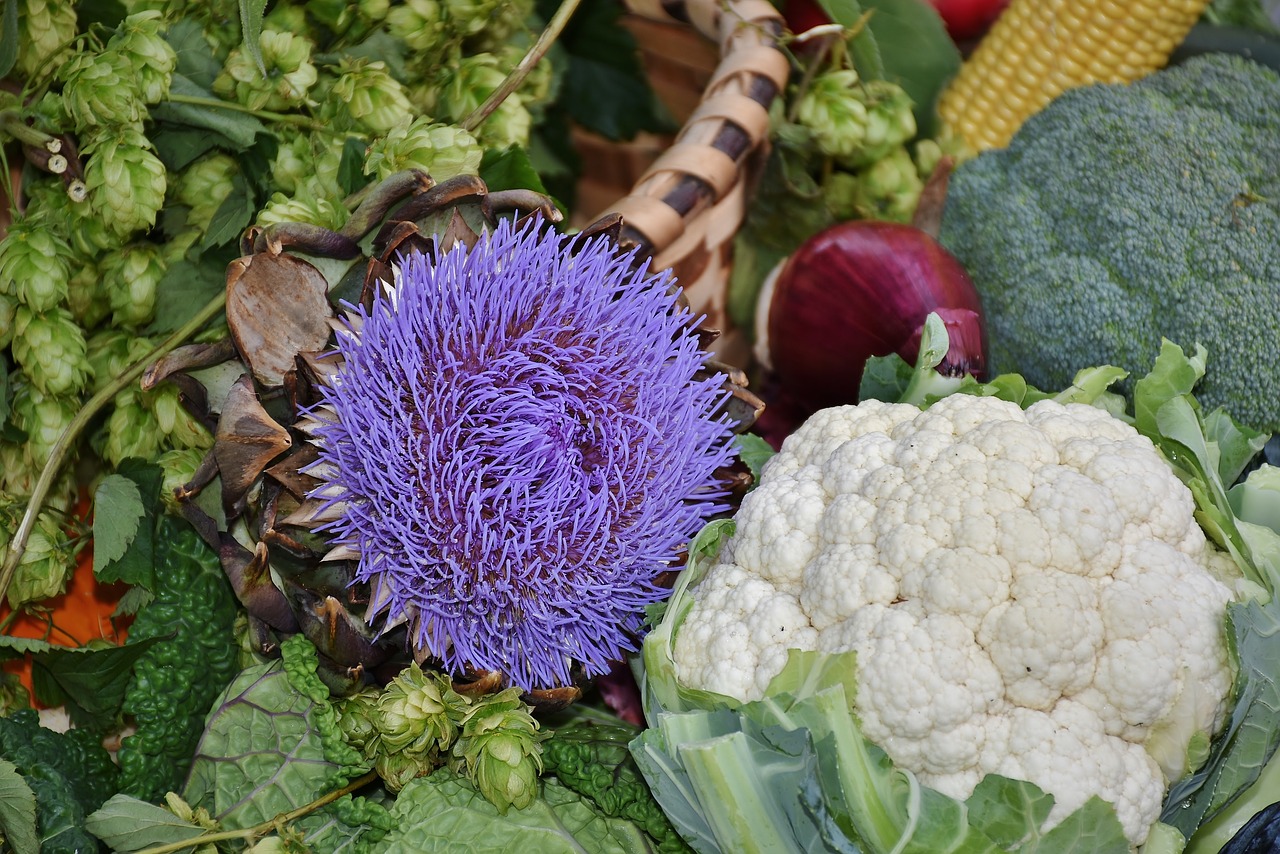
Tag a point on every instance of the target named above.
point(686, 208)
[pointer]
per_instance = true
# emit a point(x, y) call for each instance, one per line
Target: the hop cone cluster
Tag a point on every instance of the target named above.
point(419, 722)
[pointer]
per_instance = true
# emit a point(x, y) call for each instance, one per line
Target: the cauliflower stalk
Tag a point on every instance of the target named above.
point(1028, 594)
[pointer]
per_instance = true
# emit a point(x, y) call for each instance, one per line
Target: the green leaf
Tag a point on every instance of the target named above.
point(916, 51)
point(510, 169)
point(233, 215)
point(884, 378)
point(237, 127)
point(1092, 829)
point(251, 12)
point(90, 682)
point(5, 396)
point(258, 738)
point(178, 146)
point(128, 824)
point(196, 61)
point(351, 175)
point(754, 451)
point(863, 48)
point(1251, 736)
point(11, 647)
point(8, 36)
point(185, 288)
point(433, 813)
point(117, 513)
point(128, 518)
point(605, 89)
point(1008, 811)
point(17, 803)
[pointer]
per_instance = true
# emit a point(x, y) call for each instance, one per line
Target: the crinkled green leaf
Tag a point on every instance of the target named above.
point(1091, 829)
point(196, 61)
point(259, 755)
point(127, 824)
point(437, 812)
point(17, 811)
point(117, 515)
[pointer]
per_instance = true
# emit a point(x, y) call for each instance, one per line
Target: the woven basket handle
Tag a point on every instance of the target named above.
point(687, 206)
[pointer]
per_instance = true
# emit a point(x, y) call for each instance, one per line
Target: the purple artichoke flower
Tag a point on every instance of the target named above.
point(516, 444)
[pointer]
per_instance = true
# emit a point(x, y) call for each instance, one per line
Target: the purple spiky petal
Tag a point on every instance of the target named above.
point(521, 447)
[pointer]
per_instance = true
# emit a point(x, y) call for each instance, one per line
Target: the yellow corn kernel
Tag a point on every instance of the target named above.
point(1038, 48)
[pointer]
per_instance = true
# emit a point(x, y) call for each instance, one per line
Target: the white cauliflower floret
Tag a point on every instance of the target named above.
point(1028, 594)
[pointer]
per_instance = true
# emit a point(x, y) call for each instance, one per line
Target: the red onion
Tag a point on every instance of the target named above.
point(862, 289)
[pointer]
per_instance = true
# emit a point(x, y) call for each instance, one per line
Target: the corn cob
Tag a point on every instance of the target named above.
point(1038, 48)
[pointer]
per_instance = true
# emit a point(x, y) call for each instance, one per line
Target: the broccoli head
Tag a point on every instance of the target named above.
point(1121, 214)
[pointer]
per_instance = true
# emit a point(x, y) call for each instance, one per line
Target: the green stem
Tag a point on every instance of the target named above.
point(266, 826)
point(266, 115)
point(548, 37)
point(12, 124)
point(57, 455)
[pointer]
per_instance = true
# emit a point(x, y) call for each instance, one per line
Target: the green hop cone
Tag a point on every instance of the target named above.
point(100, 91)
point(85, 231)
point(500, 747)
point(397, 769)
point(420, 24)
point(47, 562)
point(138, 39)
point(288, 18)
point(49, 346)
point(366, 97)
point(179, 467)
point(465, 85)
point(35, 264)
point(840, 193)
point(290, 73)
point(111, 352)
point(834, 113)
point(510, 124)
point(890, 123)
point(13, 694)
point(204, 186)
point(88, 302)
point(508, 22)
point(43, 417)
point(131, 279)
point(180, 429)
point(8, 314)
point(130, 431)
point(126, 181)
point(358, 721)
point(294, 161)
point(890, 188)
point(441, 150)
point(417, 712)
point(374, 10)
point(303, 207)
point(469, 18)
point(45, 30)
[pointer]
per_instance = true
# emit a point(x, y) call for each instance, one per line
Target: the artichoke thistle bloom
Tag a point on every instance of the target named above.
point(517, 440)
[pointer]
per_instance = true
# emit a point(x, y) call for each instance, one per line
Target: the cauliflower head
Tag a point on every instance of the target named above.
point(1028, 594)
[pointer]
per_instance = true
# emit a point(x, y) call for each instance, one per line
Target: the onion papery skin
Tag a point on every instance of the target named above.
point(860, 289)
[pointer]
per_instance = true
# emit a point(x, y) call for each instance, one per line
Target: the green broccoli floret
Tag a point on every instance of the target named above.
point(176, 681)
point(1121, 214)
